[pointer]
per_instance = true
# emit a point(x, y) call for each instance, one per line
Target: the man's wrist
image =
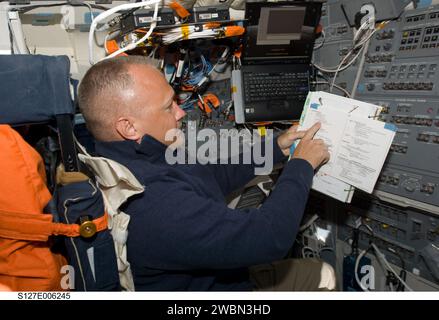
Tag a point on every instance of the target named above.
point(279, 154)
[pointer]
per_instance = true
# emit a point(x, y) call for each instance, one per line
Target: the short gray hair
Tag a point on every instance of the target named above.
point(100, 89)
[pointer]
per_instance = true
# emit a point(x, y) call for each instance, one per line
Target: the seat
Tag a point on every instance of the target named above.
point(36, 90)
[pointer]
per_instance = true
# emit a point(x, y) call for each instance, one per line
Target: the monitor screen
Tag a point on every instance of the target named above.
point(285, 21)
point(280, 25)
point(280, 30)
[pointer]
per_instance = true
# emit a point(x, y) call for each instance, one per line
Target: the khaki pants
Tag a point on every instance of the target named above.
point(294, 275)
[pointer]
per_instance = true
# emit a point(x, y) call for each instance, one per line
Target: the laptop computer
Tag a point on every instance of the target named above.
point(273, 81)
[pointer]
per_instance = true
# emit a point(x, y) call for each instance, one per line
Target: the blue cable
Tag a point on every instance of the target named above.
point(195, 76)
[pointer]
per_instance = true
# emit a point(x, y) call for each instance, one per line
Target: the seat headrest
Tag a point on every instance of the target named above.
point(35, 88)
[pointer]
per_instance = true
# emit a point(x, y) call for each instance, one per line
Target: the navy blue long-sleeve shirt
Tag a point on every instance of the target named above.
point(182, 235)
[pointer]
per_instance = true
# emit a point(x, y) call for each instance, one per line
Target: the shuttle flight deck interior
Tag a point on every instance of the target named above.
point(235, 66)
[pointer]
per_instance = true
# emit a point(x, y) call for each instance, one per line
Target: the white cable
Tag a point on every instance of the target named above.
point(131, 46)
point(335, 86)
point(324, 69)
point(103, 28)
point(367, 227)
point(221, 60)
point(176, 34)
point(363, 26)
point(14, 39)
point(105, 43)
point(327, 70)
point(104, 15)
point(359, 46)
point(345, 67)
point(90, 9)
point(340, 67)
point(382, 257)
point(359, 70)
point(367, 39)
point(152, 53)
point(309, 223)
point(370, 22)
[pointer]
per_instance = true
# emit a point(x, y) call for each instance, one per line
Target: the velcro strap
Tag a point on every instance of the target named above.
point(64, 178)
point(179, 9)
point(185, 31)
point(232, 31)
point(39, 227)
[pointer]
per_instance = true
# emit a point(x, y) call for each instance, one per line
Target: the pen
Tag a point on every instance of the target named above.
point(292, 148)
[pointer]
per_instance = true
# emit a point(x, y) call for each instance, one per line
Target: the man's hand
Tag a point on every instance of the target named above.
point(286, 139)
point(315, 151)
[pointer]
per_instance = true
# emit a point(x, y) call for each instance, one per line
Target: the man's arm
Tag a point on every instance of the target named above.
point(174, 226)
point(190, 231)
point(233, 177)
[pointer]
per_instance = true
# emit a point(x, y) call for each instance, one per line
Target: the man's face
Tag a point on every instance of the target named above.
point(158, 112)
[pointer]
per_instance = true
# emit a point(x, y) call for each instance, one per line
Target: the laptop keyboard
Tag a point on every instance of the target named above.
point(265, 86)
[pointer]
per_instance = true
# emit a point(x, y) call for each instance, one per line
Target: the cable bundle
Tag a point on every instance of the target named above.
point(107, 14)
point(206, 31)
point(198, 72)
point(359, 43)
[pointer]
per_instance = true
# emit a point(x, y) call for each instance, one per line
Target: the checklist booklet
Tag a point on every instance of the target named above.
point(357, 142)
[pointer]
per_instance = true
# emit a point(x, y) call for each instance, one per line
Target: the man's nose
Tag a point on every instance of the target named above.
point(179, 112)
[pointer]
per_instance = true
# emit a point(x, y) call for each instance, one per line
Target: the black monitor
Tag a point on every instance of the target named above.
point(280, 25)
point(280, 29)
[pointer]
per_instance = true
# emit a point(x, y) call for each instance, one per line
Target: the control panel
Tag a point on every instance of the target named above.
point(397, 61)
point(401, 73)
point(334, 43)
point(404, 236)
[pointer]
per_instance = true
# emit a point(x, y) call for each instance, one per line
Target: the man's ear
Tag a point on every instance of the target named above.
point(126, 129)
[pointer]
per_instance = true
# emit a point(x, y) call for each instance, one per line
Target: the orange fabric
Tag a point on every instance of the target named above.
point(238, 52)
point(319, 29)
point(213, 99)
point(39, 227)
point(112, 46)
point(30, 266)
point(22, 184)
point(25, 265)
point(179, 9)
point(212, 25)
point(232, 31)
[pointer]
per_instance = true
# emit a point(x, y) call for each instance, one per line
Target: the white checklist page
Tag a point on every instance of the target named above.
point(362, 151)
point(331, 131)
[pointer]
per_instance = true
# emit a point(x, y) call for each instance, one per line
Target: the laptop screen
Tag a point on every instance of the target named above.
point(280, 25)
point(285, 21)
point(280, 30)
